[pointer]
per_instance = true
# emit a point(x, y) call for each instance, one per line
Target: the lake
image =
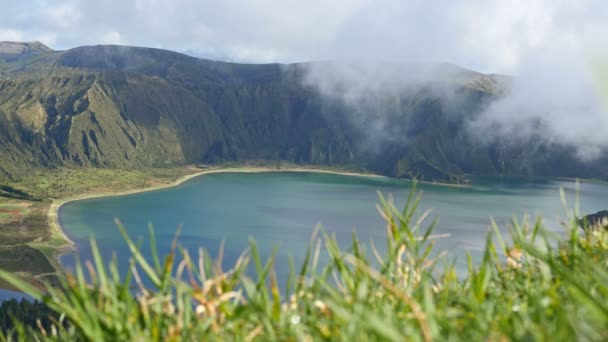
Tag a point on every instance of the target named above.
point(281, 209)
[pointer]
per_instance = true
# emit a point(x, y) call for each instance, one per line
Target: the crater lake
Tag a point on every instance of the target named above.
point(281, 209)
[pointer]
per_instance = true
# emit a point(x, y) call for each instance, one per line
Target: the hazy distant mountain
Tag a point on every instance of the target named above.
point(114, 106)
point(11, 51)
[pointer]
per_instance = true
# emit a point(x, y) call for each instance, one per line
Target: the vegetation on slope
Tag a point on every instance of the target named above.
point(65, 182)
point(127, 107)
point(529, 288)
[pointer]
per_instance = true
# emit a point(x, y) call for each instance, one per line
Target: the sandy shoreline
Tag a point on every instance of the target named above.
point(53, 212)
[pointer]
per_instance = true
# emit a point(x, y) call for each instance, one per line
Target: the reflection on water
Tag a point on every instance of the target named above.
point(281, 209)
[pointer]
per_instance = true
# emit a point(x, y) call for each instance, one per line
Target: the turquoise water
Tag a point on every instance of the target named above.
point(282, 209)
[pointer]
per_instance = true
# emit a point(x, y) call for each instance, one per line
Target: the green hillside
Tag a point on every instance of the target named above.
point(129, 107)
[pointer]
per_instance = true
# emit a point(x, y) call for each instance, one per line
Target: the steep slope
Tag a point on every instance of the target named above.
point(153, 107)
point(127, 107)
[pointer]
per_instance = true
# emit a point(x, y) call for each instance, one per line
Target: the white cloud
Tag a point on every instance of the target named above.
point(64, 16)
point(554, 98)
point(491, 35)
point(112, 37)
point(10, 35)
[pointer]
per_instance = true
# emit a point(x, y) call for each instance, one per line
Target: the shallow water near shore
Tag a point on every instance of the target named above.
point(281, 209)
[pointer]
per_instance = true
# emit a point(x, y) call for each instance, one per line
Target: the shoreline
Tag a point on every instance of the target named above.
point(53, 211)
point(68, 245)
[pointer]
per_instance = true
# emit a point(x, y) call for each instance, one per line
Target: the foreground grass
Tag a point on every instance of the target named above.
point(527, 287)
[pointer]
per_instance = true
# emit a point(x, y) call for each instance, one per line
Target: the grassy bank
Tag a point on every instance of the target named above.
point(529, 286)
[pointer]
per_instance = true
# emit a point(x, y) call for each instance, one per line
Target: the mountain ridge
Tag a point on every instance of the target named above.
point(133, 107)
point(11, 51)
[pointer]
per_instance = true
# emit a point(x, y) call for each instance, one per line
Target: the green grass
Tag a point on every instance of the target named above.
point(24, 259)
point(22, 222)
point(13, 210)
point(66, 182)
point(529, 286)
